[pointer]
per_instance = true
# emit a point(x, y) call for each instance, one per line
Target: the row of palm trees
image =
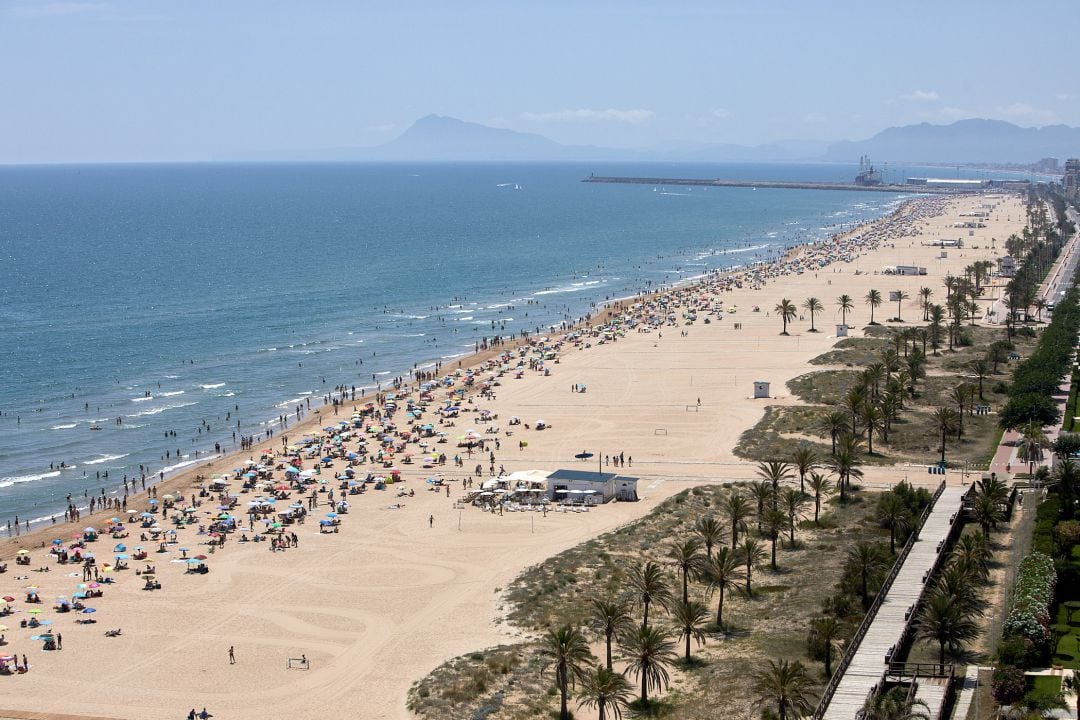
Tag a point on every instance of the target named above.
point(707, 558)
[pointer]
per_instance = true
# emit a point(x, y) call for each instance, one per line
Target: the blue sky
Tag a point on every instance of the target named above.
point(126, 80)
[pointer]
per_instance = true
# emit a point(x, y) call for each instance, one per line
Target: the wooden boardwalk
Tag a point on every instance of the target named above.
point(870, 662)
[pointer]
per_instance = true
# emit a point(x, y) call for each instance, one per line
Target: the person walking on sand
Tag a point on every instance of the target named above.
point(59, 641)
point(232, 655)
point(431, 521)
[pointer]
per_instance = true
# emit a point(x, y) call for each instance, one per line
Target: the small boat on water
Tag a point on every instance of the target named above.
point(95, 427)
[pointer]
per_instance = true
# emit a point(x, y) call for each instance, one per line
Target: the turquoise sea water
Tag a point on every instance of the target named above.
point(168, 296)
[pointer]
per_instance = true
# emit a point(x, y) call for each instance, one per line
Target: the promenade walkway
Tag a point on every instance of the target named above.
point(888, 628)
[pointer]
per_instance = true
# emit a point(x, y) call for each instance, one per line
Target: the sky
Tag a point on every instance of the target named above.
point(195, 80)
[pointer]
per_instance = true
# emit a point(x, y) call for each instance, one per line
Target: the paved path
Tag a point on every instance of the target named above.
point(868, 667)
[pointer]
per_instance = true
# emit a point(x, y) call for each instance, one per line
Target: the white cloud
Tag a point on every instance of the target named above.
point(921, 96)
point(1027, 113)
point(58, 9)
point(587, 115)
point(721, 113)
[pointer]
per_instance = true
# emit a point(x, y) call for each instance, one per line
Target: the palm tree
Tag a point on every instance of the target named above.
point(762, 492)
point(787, 311)
point(568, 650)
point(785, 686)
point(804, 459)
point(750, 554)
point(711, 532)
point(937, 321)
point(611, 618)
point(945, 417)
point(687, 557)
point(872, 420)
point(1033, 441)
point(925, 293)
point(690, 617)
point(738, 510)
point(1039, 304)
point(981, 370)
point(793, 505)
point(869, 561)
point(972, 555)
point(893, 513)
point(649, 652)
point(945, 622)
point(775, 523)
point(720, 573)
point(986, 510)
point(901, 296)
point(774, 472)
point(824, 634)
point(873, 299)
point(894, 704)
point(812, 306)
point(959, 395)
point(846, 305)
point(821, 486)
point(834, 423)
point(650, 585)
point(605, 689)
point(845, 463)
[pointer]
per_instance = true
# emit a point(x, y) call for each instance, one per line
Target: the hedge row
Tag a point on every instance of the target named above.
point(1039, 375)
point(1032, 597)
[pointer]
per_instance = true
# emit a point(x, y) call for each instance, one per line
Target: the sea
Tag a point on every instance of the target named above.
point(172, 306)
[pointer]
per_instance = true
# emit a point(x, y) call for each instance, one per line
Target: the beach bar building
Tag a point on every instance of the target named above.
point(591, 486)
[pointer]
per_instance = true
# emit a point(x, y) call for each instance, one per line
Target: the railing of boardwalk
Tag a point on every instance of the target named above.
point(853, 645)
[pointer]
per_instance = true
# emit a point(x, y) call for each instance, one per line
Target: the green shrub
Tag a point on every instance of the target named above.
point(1007, 685)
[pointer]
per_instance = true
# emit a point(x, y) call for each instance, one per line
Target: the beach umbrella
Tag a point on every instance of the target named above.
point(79, 595)
point(331, 514)
point(23, 551)
point(200, 557)
point(192, 561)
point(122, 556)
point(58, 541)
point(87, 611)
point(95, 585)
point(34, 611)
point(121, 547)
point(8, 598)
point(3, 628)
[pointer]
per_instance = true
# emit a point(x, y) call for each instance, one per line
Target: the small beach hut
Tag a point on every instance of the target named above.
point(761, 389)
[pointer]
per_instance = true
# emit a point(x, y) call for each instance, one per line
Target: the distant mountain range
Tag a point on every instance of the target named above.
point(436, 138)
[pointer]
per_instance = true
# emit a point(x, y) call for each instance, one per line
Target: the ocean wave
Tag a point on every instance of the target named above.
point(157, 410)
point(289, 403)
point(171, 393)
point(17, 479)
point(468, 317)
point(212, 386)
point(228, 394)
point(177, 466)
point(173, 377)
point(64, 427)
point(104, 459)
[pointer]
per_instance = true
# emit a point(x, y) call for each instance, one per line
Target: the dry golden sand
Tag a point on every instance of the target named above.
point(383, 602)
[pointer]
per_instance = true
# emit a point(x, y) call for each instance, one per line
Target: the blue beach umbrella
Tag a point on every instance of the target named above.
point(87, 611)
point(122, 556)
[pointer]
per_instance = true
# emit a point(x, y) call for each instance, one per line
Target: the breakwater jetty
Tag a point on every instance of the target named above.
point(779, 184)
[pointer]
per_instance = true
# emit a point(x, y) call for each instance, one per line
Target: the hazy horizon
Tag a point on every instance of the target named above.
point(161, 80)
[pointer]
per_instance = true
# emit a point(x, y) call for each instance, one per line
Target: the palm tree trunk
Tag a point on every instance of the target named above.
point(720, 609)
point(774, 551)
point(644, 686)
point(828, 660)
point(892, 539)
point(645, 615)
point(685, 590)
point(609, 650)
point(687, 630)
point(563, 714)
point(748, 591)
point(601, 705)
point(817, 506)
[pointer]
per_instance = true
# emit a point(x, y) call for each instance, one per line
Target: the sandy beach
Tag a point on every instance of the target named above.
point(390, 596)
